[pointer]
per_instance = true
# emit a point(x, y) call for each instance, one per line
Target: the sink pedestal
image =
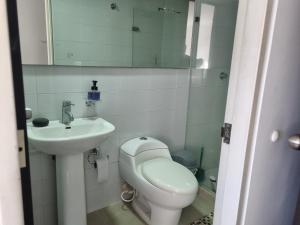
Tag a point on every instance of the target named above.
point(71, 200)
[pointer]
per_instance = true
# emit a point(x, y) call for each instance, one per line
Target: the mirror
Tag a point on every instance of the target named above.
point(127, 33)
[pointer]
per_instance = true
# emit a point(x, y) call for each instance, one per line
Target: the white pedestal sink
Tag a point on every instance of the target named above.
point(68, 144)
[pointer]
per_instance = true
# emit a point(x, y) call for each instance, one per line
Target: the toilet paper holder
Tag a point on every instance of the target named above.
point(95, 154)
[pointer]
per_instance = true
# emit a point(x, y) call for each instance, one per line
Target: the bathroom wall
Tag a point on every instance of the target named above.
point(137, 101)
point(174, 35)
point(95, 34)
point(208, 92)
point(91, 33)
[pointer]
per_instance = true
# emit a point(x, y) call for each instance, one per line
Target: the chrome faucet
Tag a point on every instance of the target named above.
point(67, 116)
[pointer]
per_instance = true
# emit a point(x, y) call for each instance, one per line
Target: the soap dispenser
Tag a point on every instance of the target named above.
point(94, 94)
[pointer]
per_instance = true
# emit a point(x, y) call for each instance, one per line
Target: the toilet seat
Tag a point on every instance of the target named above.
point(168, 175)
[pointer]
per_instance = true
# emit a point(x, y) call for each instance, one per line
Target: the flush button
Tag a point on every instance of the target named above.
point(143, 138)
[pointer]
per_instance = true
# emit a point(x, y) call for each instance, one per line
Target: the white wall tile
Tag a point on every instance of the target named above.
point(29, 80)
point(159, 126)
point(183, 78)
point(47, 106)
point(109, 104)
point(101, 195)
point(133, 101)
point(132, 125)
point(45, 79)
point(111, 147)
point(138, 80)
point(69, 80)
point(137, 101)
point(198, 78)
point(31, 102)
point(163, 79)
point(161, 99)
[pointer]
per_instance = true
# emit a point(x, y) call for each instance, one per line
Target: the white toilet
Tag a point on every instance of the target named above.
point(163, 186)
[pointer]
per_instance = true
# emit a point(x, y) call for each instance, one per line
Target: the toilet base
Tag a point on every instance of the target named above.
point(142, 211)
point(156, 215)
point(165, 216)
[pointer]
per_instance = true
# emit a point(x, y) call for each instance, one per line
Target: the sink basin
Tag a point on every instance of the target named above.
point(58, 139)
point(68, 144)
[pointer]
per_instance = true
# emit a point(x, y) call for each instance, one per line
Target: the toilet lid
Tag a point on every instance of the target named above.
point(169, 176)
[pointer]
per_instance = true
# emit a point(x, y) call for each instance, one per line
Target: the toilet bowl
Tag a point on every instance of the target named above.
point(163, 186)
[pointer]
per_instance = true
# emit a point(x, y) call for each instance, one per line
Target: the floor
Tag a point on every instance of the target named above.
point(205, 181)
point(121, 214)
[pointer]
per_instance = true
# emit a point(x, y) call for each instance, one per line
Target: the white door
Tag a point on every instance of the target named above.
point(274, 171)
point(259, 180)
point(248, 45)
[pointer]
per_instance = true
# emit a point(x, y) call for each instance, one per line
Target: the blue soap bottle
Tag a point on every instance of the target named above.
point(94, 94)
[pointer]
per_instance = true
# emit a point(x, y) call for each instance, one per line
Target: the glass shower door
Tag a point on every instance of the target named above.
point(209, 84)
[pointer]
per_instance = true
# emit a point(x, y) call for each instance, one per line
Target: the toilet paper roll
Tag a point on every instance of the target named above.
point(102, 167)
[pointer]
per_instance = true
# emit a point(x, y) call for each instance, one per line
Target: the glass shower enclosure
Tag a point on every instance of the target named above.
point(215, 27)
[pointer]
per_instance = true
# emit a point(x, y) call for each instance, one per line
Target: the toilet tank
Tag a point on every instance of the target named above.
point(138, 150)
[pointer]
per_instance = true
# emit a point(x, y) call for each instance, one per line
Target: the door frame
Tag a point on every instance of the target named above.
point(251, 47)
point(19, 98)
point(11, 210)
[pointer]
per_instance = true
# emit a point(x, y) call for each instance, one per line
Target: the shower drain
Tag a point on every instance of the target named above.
point(205, 220)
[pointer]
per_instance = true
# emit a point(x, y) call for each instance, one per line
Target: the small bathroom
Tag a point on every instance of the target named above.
point(125, 104)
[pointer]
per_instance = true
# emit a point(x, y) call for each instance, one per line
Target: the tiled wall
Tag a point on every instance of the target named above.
point(174, 35)
point(137, 101)
point(208, 92)
point(91, 33)
point(206, 112)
